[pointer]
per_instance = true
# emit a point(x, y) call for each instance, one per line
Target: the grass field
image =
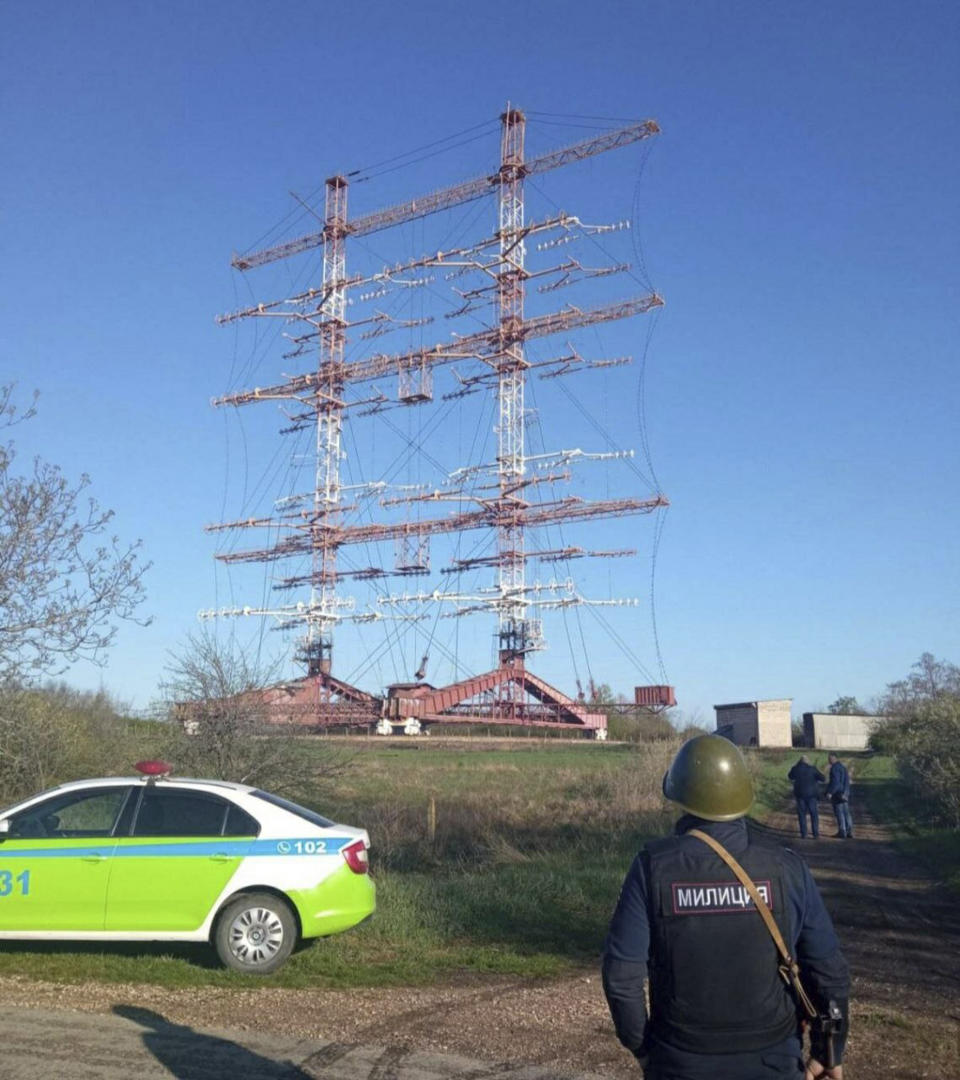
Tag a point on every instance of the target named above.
point(529, 845)
point(520, 876)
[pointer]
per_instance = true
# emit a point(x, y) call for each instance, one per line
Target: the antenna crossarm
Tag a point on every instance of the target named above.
point(547, 460)
point(460, 494)
point(574, 456)
point(454, 258)
point(288, 616)
point(535, 595)
point(448, 197)
point(537, 514)
point(611, 140)
point(484, 345)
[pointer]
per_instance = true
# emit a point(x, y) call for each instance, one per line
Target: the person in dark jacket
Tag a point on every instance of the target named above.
point(719, 1009)
point(805, 778)
point(838, 788)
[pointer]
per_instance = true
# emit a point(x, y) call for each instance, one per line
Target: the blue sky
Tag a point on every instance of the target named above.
point(798, 214)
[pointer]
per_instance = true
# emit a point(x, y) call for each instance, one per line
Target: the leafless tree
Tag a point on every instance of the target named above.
point(929, 680)
point(215, 694)
point(65, 581)
point(845, 705)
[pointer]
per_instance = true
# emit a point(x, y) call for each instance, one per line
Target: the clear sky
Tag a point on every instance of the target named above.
point(799, 214)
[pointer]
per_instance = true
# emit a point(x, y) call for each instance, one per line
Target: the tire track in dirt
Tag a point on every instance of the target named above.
point(41, 1044)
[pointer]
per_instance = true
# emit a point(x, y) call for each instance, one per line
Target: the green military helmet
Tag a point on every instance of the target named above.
point(709, 778)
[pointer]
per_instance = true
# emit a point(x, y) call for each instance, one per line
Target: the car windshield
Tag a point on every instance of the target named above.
point(301, 811)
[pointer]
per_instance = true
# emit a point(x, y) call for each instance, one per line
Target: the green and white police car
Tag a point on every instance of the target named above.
point(160, 859)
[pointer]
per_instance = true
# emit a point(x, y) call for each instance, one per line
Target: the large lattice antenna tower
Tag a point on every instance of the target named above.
point(317, 524)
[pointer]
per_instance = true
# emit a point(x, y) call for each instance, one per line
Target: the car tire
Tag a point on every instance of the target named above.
point(255, 933)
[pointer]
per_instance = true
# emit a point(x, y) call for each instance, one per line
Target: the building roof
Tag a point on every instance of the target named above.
point(754, 704)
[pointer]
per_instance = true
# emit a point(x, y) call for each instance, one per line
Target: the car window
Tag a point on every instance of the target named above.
point(240, 823)
point(175, 812)
point(301, 811)
point(91, 812)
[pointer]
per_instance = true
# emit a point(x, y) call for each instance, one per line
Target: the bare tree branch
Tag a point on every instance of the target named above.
point(65, 581)
point(214, 695)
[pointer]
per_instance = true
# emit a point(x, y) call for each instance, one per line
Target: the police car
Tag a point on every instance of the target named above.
point(160, 859)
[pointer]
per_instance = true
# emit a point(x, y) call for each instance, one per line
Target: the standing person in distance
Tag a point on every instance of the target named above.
point(805, 778)
point(838, 788)
point(719, 1008)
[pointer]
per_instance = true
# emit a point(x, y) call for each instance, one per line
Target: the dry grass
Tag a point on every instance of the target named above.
point(502, 807)
point(519, 877)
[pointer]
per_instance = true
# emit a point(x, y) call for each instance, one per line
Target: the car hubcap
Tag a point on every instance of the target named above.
point(256, 935)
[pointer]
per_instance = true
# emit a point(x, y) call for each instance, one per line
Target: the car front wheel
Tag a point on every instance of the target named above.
point(255, 933)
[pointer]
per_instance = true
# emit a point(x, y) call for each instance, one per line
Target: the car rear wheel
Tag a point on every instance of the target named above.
point(255, 933)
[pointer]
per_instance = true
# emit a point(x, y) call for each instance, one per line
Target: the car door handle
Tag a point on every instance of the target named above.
point(221, 856)
point(94, 857)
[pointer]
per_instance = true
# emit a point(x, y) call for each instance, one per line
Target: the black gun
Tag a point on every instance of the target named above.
point(830, 1024)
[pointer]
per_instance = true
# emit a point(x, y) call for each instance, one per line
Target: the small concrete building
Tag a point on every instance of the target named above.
point(830, 731)
point(756, 723)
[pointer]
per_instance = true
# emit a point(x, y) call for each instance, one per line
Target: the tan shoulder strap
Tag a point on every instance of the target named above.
point(789, 969)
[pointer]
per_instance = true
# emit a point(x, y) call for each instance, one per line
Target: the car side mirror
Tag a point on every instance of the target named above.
point(4, 829)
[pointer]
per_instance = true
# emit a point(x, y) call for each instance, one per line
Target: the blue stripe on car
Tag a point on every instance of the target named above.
point(302, 846)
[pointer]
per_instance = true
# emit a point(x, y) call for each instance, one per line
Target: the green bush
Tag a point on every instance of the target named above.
point(55, 734)
point(640, 725)
point(926, 746)
point(921, 731)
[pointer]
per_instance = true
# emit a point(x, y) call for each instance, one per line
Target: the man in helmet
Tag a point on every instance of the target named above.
point(719, 1008)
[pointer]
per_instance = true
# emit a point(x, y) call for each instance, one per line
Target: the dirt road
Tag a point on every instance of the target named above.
point(900, 932)
point(137, 1042)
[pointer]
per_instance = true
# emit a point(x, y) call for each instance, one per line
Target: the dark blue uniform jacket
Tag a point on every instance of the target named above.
point(839, 784)
point(805, 923)
point(805, 777)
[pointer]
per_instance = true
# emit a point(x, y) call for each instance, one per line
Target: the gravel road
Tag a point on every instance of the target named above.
point(561, 1027)
point(137, 1042)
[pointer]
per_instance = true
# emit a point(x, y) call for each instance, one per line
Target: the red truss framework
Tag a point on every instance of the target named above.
point(315, 524)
